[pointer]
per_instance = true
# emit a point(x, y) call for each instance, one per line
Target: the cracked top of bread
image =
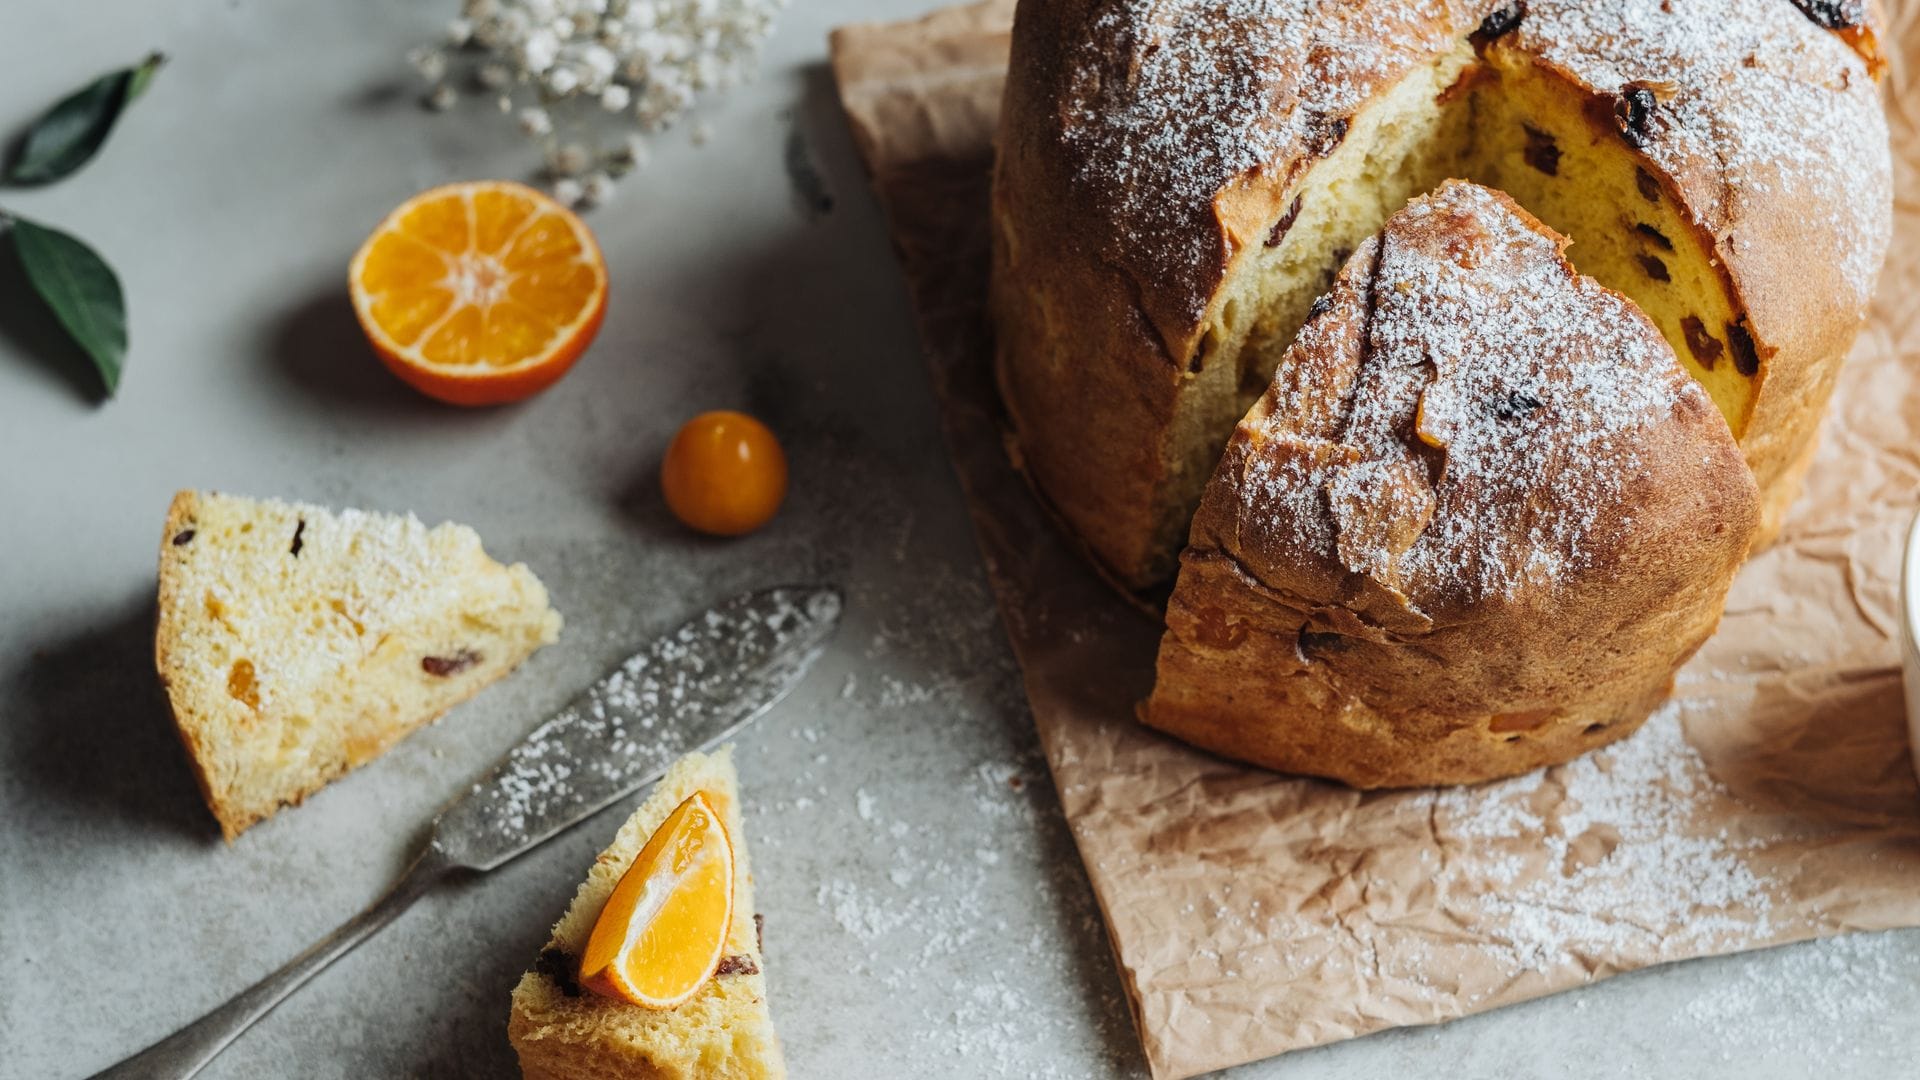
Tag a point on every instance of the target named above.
point(1475, 525)
point(1154, 155)
point(1145, 117)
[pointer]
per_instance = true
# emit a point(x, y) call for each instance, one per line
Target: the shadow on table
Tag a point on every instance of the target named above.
point(317, 345)
point(28, 328)
point(466, 1039)
point(799, 350)
point(97, 735)
point(385, 95)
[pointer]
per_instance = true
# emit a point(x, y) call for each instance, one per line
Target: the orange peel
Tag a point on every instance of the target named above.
point(662, 932)
point(480, 293)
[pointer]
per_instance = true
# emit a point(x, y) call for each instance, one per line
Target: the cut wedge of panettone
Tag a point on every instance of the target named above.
point(296, 643)
point(724, 1031)
point(1477, 523)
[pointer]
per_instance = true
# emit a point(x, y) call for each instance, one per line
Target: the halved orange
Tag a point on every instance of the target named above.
point(660, 937)
point(480, 293)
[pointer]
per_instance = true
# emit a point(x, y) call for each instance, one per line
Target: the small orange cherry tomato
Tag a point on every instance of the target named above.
point(725, 474)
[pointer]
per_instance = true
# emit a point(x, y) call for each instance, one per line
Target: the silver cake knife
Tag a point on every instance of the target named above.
point(689, 690)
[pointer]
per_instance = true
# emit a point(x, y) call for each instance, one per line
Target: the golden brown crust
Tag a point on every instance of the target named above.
point(180, 514)
point(1475, 526)
point(1143, 147)
point(1106, 260)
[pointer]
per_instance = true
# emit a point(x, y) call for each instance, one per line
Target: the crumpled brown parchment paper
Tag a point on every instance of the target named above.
point(1252, 914)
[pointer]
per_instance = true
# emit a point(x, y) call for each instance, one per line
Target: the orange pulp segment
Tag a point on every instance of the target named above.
point(660, 937)
point(480, 293)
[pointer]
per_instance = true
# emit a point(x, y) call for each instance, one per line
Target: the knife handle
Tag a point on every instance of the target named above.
point(187, 1051)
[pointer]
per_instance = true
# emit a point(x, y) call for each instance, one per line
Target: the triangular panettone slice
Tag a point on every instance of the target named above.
point(296, 643)
point(723, 1032)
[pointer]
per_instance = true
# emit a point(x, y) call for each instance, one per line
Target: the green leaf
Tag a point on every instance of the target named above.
point(74, 130)
point(81, 290)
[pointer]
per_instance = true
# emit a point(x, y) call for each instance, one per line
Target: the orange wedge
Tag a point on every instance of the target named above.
point(660, 937)
point(480, 293)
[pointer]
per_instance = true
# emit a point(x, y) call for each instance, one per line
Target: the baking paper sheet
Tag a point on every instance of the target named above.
point(1252, 914)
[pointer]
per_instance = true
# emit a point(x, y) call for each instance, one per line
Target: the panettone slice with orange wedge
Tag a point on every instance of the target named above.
point(655, 971)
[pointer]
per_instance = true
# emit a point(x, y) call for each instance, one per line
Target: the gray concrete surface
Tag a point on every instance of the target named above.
point(926, 915)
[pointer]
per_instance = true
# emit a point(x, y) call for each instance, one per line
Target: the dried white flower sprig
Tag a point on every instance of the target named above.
point(553, 64)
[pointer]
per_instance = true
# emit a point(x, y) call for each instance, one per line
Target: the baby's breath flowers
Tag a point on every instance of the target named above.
point(567, 70)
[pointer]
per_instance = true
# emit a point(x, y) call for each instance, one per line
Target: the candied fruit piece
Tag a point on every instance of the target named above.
point(1834, 14)
point(443, 666)
point(1541, 151)
point(1516, 405)
point(1704, 346)
point(1633, 111)
point(736, 964)
point(1649, 187)
point(1500, 22)
point(1654, 235)
point(1746, 358)
point(241, 684)
point(1279, 231)
point(559, 968)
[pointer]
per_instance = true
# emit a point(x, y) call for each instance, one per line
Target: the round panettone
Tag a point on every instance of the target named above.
point(1179, 180)
point(1475, 525)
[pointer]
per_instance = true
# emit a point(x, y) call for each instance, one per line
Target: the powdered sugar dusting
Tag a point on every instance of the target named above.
point(1495, 420)
point(950, 887)
point(1562, 870)
point(936, 907)
point(1845, 985)
point(686, 690)
point(1617, 865)
point(1779, 105)
point(364, 578)
point(1170, 99)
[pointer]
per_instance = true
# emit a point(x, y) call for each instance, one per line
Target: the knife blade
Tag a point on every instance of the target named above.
point(689, 690)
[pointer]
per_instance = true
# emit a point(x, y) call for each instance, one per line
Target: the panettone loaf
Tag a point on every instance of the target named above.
point(297, 643)
point(1178, 179)
point(1477, 522)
